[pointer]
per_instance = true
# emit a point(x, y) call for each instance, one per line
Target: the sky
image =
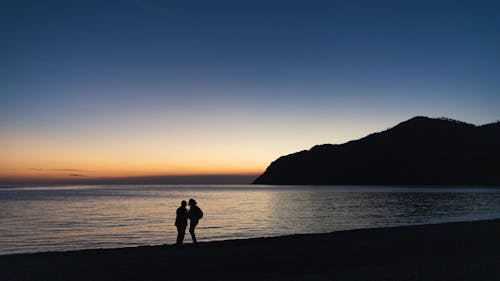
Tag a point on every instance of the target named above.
point(137, 88)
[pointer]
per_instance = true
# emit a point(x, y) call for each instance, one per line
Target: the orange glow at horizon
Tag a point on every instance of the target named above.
point(113, 150)
point(51, 165)
point(46, 159)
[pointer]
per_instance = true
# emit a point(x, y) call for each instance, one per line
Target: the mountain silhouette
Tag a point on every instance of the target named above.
point(419, 151)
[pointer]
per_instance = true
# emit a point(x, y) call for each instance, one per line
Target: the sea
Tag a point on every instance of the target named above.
point(62, 218)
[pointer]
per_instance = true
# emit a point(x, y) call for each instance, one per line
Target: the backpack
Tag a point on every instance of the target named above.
point(200, 213)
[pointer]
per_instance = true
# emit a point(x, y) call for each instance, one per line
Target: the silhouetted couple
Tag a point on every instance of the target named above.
point(194, 214)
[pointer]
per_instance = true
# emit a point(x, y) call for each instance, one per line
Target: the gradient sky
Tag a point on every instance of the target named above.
point(129, 88)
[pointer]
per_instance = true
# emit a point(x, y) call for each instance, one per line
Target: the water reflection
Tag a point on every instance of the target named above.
point(59, 218)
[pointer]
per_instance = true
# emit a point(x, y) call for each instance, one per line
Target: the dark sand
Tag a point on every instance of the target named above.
point(452, 251)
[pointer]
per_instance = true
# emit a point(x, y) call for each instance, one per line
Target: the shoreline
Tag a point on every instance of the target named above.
point(188, 242)
point(467, 250)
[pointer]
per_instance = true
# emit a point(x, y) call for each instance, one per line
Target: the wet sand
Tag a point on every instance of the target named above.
point(452, 251)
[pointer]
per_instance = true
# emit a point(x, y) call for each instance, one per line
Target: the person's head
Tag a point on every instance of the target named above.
point(183, 203)
point(192, 202)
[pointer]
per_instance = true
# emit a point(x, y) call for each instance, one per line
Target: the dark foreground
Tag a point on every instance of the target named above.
point(453, 251)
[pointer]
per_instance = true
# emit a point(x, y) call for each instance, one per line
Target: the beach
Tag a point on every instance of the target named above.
point(449, 251)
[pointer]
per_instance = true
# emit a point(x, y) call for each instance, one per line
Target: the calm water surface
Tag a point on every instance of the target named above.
point(48, 218)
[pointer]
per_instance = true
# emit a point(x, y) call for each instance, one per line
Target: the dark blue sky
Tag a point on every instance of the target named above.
point(328, 70)
point(302, 51)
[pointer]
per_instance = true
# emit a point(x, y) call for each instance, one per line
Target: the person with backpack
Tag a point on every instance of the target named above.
point(194, 215)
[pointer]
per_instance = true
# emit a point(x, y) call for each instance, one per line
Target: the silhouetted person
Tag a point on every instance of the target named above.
point(194, 215)
point(181, 219)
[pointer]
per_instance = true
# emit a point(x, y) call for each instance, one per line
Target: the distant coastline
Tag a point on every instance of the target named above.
point(155, 179)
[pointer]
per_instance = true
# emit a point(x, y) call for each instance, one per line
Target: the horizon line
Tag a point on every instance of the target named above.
point(244, 178)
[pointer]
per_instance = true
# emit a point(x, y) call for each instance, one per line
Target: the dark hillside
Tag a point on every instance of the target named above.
point(419, 151)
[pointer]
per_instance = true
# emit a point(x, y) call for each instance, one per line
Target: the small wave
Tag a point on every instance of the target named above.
point(211, 227)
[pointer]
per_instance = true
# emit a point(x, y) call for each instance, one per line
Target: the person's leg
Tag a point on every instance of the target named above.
point(181, 235)
point(191, 231)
